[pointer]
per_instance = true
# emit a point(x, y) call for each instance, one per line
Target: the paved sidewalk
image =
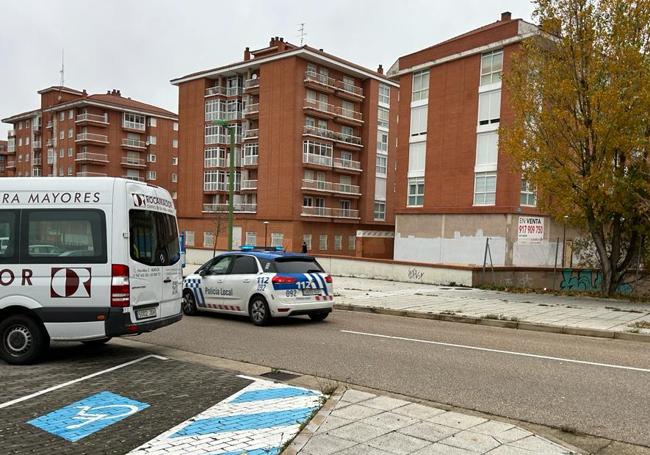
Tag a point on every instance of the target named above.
point(510, 309)
point(363, 423)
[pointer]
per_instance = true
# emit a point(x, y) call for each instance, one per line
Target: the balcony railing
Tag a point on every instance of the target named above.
point(249, 184)
point(331, 187)
point(216, 90)
point(91, 156)
point(249, 160)
point(137, 178)
point(231, 115)
point(338, 111)
point(214, 162)
point(92, 118)
point(320, 160)
point(50, 124)
point(220, 186)
point(316, 211)
point(135, 143)
point(11, 148)
point(91, 174)
point(238, 208)
point(312, 76)
point(332, 135)
point(251, 83)
point(51, 142)
point(233, 91)
point(129, 161)
point(11, 164)
point(345, 213)
point(37, 161)
point(36, 144)
point(133, 125)
point(92, 137)
point(252, 108)
point(252, 133)
point(347, 164)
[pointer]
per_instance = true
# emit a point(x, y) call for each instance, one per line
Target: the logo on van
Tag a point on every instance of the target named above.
point(70, 282)
point(139, 200)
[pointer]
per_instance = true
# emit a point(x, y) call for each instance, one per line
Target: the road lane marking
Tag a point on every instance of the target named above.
point(499, 351)
point(74, 381)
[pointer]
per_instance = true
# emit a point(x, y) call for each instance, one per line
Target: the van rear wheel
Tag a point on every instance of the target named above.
point(189, 304)
point(21, 340)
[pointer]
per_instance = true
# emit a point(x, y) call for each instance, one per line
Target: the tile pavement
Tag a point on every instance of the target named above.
point(355, 422)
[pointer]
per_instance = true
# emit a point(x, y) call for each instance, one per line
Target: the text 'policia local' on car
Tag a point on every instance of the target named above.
point(84, 259)
point(260, 284)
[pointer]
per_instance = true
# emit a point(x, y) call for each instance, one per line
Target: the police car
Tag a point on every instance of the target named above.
point(260, 284)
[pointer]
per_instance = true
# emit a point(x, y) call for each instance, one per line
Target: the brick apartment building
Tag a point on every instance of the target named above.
point(4, 151)
point(77, 134)
point(454, 188)
point(315, 152)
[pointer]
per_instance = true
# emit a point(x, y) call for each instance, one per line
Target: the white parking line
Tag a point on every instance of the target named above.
point(499, 351)
point(74, 381)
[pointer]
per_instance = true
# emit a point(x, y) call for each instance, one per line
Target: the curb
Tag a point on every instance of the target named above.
point(533, 326)
point(314, 424)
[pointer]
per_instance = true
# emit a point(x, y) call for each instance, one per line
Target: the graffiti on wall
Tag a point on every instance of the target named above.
point(588, 280)
point(415, 274)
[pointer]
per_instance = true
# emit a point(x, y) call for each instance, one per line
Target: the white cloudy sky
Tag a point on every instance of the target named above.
point(138, 46)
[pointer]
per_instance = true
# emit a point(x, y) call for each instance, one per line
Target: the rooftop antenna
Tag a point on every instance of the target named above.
point(301, 30)
point(62, 67)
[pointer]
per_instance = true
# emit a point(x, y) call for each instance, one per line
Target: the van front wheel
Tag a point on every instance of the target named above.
point(21, 340)
point(188, 304)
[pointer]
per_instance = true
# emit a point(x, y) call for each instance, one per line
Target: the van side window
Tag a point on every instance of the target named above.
point(8, 236)
point(64, 236)
point(154, 238)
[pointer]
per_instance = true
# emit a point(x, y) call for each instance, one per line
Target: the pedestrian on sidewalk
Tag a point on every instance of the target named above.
point(304, 247)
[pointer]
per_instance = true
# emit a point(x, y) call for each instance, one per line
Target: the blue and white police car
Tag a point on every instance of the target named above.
point(260, 284)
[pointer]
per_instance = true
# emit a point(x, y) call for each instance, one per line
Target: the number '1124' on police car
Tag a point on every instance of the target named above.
point(260, 284)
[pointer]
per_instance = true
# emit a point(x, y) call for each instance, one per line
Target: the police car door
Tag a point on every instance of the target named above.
point(240, 283)
point(213, 281)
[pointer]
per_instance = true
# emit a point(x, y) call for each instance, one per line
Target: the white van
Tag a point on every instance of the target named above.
point(84, 259)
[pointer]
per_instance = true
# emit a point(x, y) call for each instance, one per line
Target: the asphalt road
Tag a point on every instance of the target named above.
point(439, 361)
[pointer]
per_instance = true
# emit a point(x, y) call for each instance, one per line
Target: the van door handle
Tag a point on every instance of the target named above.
point(167, 280)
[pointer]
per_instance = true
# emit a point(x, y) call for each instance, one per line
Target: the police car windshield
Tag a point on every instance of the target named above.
point(297, 265)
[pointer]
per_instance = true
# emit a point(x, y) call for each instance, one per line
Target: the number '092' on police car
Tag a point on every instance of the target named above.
point(84, 259)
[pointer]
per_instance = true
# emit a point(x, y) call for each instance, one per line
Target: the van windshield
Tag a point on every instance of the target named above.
point(154, 238)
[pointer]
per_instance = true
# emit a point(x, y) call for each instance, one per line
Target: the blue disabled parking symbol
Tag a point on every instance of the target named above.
point(83, 418)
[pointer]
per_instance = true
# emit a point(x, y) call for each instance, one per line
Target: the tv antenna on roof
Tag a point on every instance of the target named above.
point(302, 35)
point(62, 72)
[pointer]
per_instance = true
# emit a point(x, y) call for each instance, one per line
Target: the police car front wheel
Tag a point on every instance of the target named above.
point(259, 311)
point(21, 340)
point(189, 305)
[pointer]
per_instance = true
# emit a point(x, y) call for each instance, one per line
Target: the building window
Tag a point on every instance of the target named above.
point(380, 188)
point(382, 118)
point(306, 238)
point(151, 158)
point(277, 238)
point(213, 109)
point(133, 121)
point(62, 134)
point(420, 86)
point(384, 94)
point(175, 143)
point(528, 195)
point(338, 242)
point(70, 152)
point(189, 238)
point(175, 126)
point(70, 114)
point(382, 141)
point(322, 242)
point(174, 195)
point(20, 125)
point(380, 211)
point(61, 116)
point(152, 121)
point(208, 239)
point(251, 238)
point(486, 151)
point(61, 171)
point(382, 165)
point(485, 188)
point(69, 170)
point(20, 141)
point(26, 141)
point(152, 140)
point(215, 134)
point(489, 107)
point(70, 133)
point(419, 117)
point(61, 153)
point(415, 192)
point(352, 242)
point(174, 177)
point(151, 175)
point(174, 161)
point(417, 159)
point(491, 67)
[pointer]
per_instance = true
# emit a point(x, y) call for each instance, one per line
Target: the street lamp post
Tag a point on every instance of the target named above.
point(266, 227)
point(231, 177)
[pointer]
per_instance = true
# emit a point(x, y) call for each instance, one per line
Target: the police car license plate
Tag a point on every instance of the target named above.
point(145, 313)
point(311, 292)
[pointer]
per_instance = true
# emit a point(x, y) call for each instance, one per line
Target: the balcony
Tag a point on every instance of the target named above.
point(233, 91)
point(330, 187)
point(95, 119)
point(231, 115)
point(216, 90)
point(319, 108)
point(36, 144)
point(130, 162)
point(252, 85)
point(91, 174)
point(11, 148)
point(91, 157)
point(248, 185)
point(217, 139)
point(36, 128)
point(331, 85)
point(51, 156)
point(11, 133)
point(251, 134)
point(336, 136)
point(51, 142)
point(214, 162)
point(92, 137)
point(345, 213)
point(249, 160)
point(316, 211)
point(252, 110)
point(133, 126)
point(318, 160)
point(50, 124)
point(133, 144)
point(11, 164)
point(137, 178)
point(348, 165)
point(220, 186)
point(221, 208)
point(37, 161)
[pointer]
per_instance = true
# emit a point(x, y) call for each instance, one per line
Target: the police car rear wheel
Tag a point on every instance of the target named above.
point(189, 305)
point(21, 340)
point(259, 311)
point(319, 316)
